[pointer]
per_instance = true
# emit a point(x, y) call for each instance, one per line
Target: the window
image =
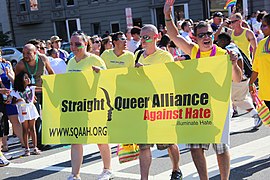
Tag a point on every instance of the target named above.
point(22, 6)
point(137, 22)
point(7, 51)
point(65, 28)
point(70, 2)
point(33, 5)
point(96, 28)
point(180, 13)
point(115, 26)
point(57, 3)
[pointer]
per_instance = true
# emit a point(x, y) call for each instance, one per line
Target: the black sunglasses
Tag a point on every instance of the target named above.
point(145, 37)
point(97, 42)
point(122, 39)
point(234, 21)
point(203, 35)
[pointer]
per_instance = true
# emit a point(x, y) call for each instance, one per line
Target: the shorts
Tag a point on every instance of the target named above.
point(11, 109)
point(4, 126)
point(159, 146)
point(219, 148)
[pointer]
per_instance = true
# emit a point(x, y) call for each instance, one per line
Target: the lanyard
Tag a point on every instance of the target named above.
point(266, 45)
point(213, 52)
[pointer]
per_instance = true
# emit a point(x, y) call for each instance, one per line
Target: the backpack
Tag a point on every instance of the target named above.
point(247, 65)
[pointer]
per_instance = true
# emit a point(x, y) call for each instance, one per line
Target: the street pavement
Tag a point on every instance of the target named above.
point(250, 159)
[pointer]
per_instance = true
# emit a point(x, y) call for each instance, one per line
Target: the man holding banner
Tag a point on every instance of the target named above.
point(154, 55)
point(204, 48)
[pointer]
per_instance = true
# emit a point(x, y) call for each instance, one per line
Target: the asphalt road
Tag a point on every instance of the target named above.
point(250, 159)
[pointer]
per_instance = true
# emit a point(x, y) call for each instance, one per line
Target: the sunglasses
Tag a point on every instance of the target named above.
point(203, 35)
point(145, 37)
point(77, 44)
point(97, 42)
point(122, 39)
point(234, 21)
point(42, 48)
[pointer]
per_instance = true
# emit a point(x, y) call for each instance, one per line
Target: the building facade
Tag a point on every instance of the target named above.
point(42, 19)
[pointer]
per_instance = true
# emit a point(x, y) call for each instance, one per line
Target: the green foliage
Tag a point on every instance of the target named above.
point(4, 39)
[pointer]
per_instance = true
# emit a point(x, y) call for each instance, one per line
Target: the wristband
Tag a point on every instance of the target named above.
point(168, 19)
point(250, 84)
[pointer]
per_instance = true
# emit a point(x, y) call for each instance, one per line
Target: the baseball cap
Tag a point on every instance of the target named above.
point(217, 14)
point(55, 38)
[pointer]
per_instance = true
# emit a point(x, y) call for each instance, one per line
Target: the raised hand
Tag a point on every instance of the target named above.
point(168, 7)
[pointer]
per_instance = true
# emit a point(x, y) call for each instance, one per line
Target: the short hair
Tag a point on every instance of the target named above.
point(82, 34)
point(260, 16)
point(266, 19)
point(115, 35)
point(185, 23)
point(135, 30)
point(200, 25)
point(33, 41)
point(225, 37)
point(238, 16)
point(150, 27)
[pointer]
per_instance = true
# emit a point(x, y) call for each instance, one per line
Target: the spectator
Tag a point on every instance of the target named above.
point(242, 37)
point(135, 41)
point(35, 64)
point(106, 44)
point(217, 21)
point(56, 43)
point(57, 64)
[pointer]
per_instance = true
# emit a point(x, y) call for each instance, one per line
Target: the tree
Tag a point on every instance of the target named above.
point(4, 39)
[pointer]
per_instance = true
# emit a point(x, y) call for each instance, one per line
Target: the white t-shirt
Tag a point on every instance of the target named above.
point(58, 65)
point(133, 45)
point(27, 96)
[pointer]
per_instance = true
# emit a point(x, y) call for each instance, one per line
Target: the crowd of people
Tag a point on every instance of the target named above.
point(21, 90)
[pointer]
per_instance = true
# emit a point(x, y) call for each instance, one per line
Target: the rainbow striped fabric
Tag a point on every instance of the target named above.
point(230, 3)
point(128, 152)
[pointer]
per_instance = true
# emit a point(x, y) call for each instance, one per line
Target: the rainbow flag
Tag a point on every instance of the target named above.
point(230, 3)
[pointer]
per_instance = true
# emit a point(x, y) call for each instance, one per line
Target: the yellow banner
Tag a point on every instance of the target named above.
point(182, 102)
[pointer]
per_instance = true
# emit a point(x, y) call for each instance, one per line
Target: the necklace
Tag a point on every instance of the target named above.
point(35, 71)
point(266, 45)
point(213, 52)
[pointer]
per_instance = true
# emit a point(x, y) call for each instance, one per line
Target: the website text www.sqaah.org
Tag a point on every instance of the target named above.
point(78, 131)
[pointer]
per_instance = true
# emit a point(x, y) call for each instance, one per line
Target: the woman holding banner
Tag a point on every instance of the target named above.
point(261, 64)
point(82, 61)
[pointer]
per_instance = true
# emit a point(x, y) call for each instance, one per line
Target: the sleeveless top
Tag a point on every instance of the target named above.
point(242, 42)
point(40, 71)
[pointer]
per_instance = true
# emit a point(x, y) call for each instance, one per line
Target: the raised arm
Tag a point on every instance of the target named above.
point(178, 40)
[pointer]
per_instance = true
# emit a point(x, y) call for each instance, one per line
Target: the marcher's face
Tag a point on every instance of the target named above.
point(77, 45)
point(235, 22)
point(204, 38)
point(265, 28)
point(29, 54)
point(121, 42)
point(109, 44)
point(147, 38)
point(96, 44)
